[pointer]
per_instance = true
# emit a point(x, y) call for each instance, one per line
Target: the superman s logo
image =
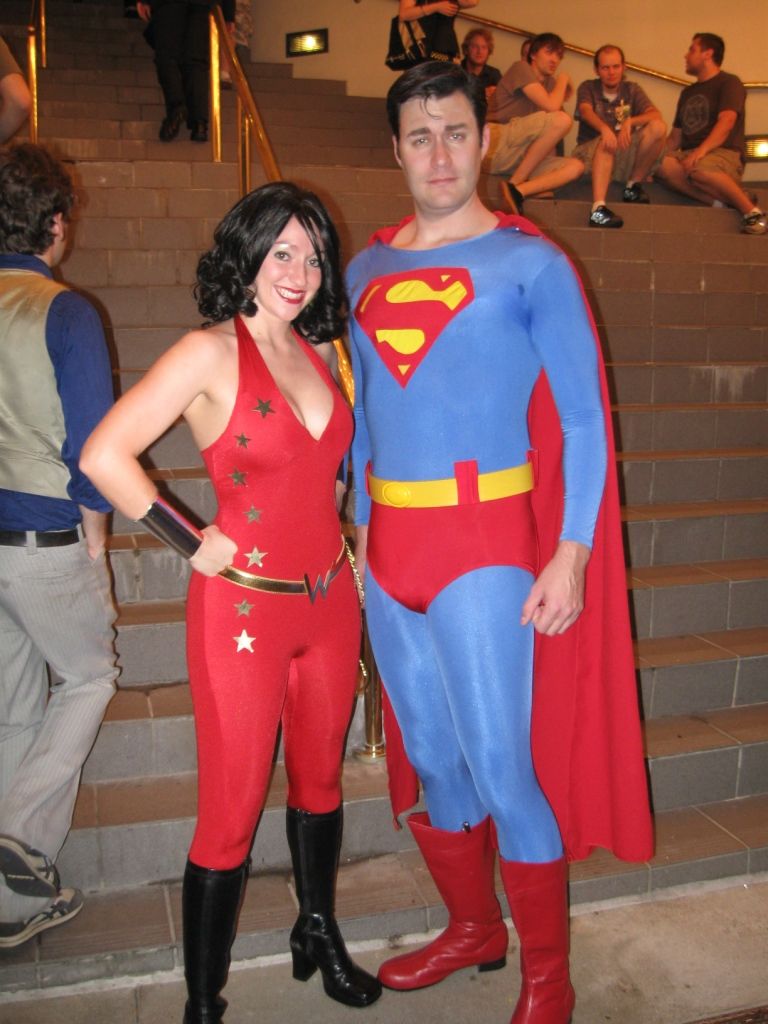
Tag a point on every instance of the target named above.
point(403, 314)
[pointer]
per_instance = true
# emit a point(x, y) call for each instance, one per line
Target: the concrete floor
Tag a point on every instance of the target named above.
point(688, 954)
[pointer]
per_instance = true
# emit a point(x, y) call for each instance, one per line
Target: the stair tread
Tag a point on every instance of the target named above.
point(658, 652)
point(694, 509)
point(701, 572)
point(119, 802)
point(164, 797)
point(382, 895)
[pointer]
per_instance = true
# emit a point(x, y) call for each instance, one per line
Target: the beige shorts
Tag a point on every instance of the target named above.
point(624, 159)
point(727, 161)
point(509, 143)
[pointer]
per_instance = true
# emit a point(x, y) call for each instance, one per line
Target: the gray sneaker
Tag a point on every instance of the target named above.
point(68, 903)
point(754, 223)
point(26, 870)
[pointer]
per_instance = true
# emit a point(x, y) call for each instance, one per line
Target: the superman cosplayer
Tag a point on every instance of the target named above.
point(483, 439)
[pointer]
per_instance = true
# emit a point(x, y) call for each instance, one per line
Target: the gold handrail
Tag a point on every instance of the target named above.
point(574, 48)
point(37, 32)
point(249, 119)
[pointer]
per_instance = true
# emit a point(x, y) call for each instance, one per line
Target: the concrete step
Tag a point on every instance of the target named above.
point(674, 600)
point(665, 426)
point(695, 674)
point(706, 474)
point(137, 930)
point(686, 381)
point(133, 826)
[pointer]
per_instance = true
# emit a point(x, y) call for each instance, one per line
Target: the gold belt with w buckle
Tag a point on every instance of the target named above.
point(272, 586)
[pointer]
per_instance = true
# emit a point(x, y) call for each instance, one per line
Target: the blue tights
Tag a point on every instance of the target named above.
point(459, 678)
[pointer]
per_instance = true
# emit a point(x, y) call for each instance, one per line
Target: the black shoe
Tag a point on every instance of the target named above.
point(199, 132)
point(316, 942)
point(634, 194)
point(512, 196)
point(602, 217)
point(171, 126)
point(210, 906)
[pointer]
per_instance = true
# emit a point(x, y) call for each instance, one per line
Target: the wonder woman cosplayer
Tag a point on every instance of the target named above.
point(485, 478)
point(273, 618)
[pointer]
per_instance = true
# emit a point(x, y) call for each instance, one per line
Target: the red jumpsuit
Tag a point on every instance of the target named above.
point(256, 659)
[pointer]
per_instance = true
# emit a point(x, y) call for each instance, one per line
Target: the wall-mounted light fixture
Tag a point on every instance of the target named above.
point(756, 147)
point(301, 44)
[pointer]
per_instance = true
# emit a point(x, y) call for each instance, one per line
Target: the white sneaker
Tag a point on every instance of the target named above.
point(68, 903)
point(754, 223)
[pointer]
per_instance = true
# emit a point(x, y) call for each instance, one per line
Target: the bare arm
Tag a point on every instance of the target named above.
point(15, 104)
point(630, 123)
point(182, 382)
point(673, 140)
point(409, 11)
point(720, 131)
point(588, 116)
point(95, 530)
point(550, 101)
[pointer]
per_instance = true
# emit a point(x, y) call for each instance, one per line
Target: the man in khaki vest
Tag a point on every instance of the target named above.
point(57, 661)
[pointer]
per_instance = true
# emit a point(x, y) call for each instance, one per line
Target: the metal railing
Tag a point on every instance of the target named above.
point(37, 37)
point(249, 122)
point(574, 48)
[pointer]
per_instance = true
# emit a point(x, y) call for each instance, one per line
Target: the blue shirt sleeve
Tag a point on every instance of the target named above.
point(78, 352)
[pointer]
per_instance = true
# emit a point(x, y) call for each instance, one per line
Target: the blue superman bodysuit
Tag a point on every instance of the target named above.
point(447, 346)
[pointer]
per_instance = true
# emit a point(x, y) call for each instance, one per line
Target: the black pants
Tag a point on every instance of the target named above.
point(182, 56)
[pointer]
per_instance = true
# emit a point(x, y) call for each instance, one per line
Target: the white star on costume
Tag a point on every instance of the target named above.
point(256, 557)
point(244, 642)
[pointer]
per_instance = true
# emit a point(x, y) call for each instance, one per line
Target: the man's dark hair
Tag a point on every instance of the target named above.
point(435, 79)
point(34, 187)
point(546, 41)
point(603, 49)
point(709, 41)
point(226, 273)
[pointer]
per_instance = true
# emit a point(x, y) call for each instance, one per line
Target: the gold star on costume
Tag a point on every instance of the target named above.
point(242, 440)
point(244, 642)
point(243, 608)
point(263, 407)
point(253, 515)
point(256, 557)
point(238, 478)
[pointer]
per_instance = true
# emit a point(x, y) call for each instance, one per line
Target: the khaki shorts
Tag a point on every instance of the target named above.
point(727, 161)
point(509, 143)
point(624, 159)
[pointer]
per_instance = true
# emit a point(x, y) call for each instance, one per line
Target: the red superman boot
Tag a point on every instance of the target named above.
point(461, 863)
point(538, 902)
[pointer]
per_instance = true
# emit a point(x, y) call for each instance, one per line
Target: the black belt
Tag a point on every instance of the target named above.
point(57, 539)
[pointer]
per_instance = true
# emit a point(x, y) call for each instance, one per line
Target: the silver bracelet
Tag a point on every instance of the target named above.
point(165, 522)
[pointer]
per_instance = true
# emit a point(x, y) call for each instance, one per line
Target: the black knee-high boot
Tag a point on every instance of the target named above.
point(316, 942)
point(210, 905)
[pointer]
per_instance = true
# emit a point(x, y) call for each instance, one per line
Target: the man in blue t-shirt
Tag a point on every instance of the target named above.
point(621, 134)
point(705, 149)
point(56, 610)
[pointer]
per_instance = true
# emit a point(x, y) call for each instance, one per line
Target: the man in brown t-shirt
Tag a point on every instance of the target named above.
point(526, 121)
point(705, 147)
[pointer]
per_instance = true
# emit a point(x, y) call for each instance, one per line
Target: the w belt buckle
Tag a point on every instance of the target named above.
point(272, 586)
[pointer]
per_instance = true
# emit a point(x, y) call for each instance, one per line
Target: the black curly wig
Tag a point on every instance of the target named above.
point(226, 273)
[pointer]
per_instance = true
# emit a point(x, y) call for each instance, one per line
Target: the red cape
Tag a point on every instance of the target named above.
point(586, 738)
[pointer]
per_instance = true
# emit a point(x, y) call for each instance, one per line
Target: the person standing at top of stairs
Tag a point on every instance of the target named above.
point(179, 34)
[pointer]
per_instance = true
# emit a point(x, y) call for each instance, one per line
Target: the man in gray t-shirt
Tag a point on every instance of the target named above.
point(621, 134)
point(704, 157)
point(526, 121)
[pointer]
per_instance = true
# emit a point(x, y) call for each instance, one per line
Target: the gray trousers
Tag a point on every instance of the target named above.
point(56, 612)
